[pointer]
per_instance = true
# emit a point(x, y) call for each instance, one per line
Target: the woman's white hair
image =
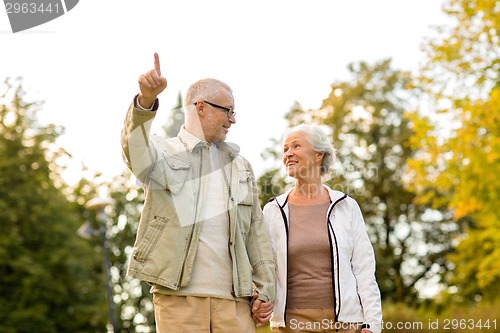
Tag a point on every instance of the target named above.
point(320, 142)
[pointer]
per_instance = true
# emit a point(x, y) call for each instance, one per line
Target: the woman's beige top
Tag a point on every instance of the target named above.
point(309, 258)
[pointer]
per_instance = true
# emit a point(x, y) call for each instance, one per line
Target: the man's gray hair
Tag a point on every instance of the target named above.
point(205, 89)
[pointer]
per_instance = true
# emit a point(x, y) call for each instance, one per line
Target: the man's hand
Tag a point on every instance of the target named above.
point(261, 311)
point(151, 85)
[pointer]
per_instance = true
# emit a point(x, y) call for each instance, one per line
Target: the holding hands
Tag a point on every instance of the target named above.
point(261, 311)
point(151, 84)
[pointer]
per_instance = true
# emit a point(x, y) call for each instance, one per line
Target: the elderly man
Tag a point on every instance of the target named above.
point(201, 241)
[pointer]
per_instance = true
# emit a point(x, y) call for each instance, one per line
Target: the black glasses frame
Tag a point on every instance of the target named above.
point(229, 112)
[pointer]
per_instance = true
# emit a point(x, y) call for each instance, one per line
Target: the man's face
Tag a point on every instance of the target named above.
point(215, 121)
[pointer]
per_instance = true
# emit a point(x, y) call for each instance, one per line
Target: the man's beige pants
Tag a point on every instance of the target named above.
point(316, 321)
point(189, 314)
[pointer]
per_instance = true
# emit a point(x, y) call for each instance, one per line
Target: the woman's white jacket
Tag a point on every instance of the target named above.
point(357, 296)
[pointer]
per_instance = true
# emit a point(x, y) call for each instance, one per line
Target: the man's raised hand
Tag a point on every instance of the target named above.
point(151, 84)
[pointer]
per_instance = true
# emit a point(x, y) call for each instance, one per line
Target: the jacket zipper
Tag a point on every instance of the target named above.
point(335, 286)
point(191, 231)
point(227, 186)
point(285, 222)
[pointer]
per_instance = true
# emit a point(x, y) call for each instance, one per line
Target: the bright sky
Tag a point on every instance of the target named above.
point(85, 64)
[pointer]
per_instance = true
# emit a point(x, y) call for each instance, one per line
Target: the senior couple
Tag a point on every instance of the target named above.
point(218, 263)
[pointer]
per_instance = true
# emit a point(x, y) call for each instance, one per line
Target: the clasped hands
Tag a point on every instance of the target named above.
point(261, 311)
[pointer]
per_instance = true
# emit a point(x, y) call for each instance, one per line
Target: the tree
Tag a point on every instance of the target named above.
point(132, 301)
point(459, 143)
point(48, 275)
point(133, 297)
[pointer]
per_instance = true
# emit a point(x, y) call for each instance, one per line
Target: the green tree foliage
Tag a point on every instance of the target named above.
point(47, 273)
point(132, 296)
point(132, 301)
point(459, 143)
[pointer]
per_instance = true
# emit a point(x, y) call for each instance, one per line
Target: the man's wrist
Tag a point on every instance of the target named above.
point(145, 104)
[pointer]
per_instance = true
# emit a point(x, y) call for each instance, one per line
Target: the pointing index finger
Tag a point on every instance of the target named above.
point(157, 64)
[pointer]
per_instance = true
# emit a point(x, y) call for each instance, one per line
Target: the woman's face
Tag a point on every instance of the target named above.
point(300, 159)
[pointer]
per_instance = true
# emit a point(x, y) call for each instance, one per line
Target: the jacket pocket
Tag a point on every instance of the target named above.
point(244, 203)
point(150, 238)
point(245, 195)
point(171, 172)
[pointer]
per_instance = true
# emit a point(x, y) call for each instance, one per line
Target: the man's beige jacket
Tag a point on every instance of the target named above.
point(171, 171)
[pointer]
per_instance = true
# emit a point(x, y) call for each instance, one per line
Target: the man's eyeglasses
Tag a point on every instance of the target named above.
point(229, 112)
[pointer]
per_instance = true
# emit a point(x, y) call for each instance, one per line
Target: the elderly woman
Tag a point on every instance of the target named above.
point(325, 260)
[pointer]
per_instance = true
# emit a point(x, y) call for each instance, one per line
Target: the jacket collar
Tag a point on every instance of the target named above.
point(335, 195)
point(191, 142)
